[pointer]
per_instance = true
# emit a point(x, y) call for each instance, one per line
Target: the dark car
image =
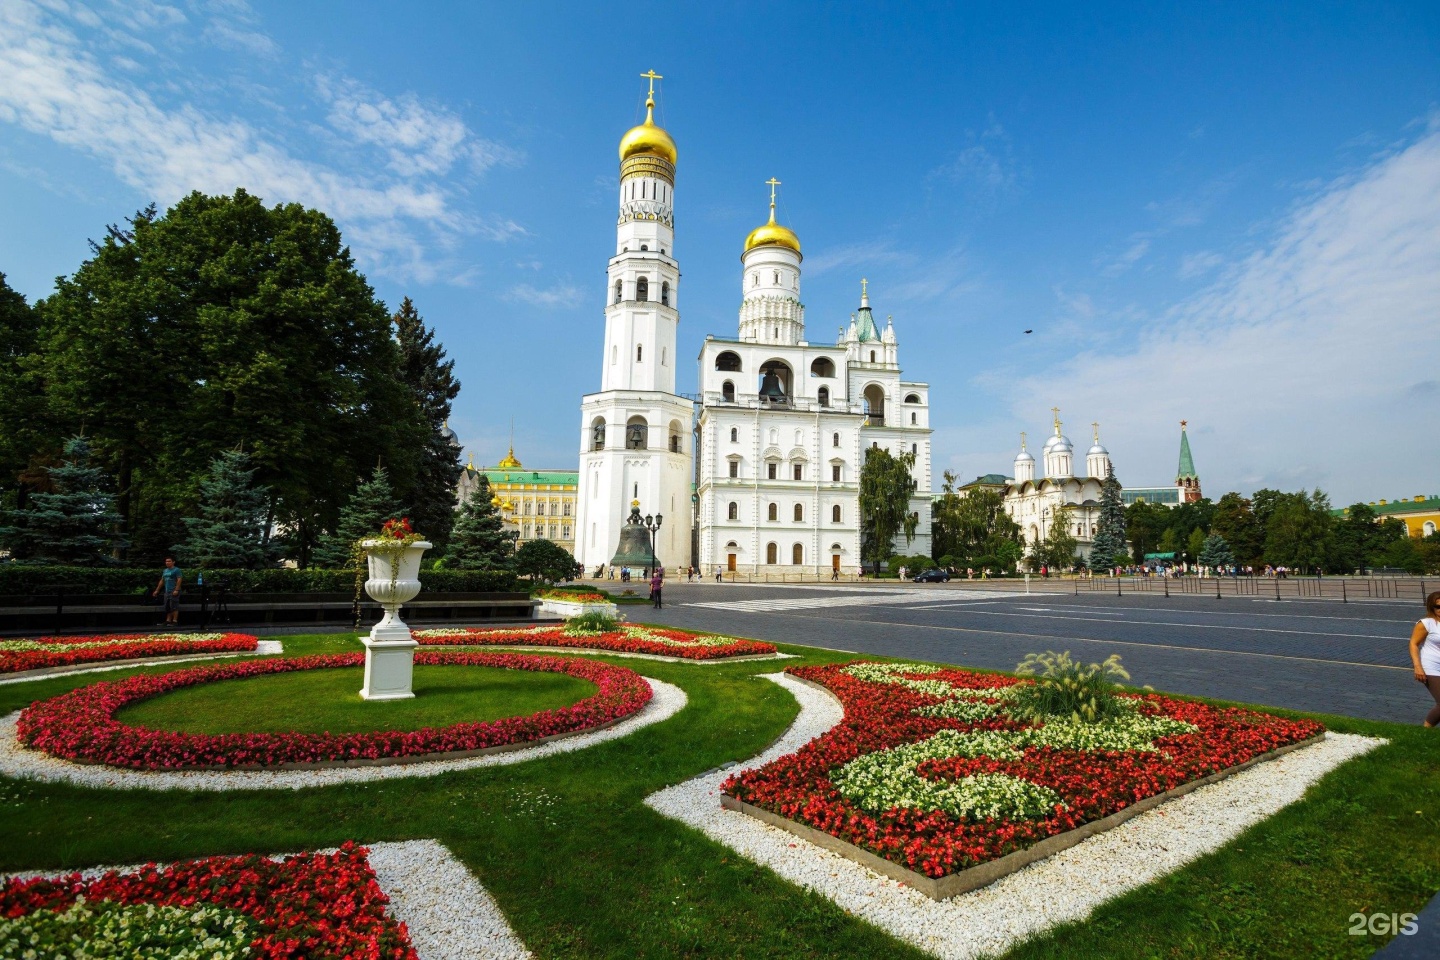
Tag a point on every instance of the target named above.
point(932, 576)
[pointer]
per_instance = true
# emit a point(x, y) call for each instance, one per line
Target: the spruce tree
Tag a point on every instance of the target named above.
point(372, 503)
point(431, 379)
point(74, 522)
point(231, 529)
point(1216, 552)
point(1108, 548)
point(478, 540)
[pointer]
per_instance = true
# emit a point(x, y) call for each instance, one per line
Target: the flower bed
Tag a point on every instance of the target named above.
point(81, 725)
point(18, 655)
point(573, 596)
point(308, 905)
point(928, 771)
point(656, 641)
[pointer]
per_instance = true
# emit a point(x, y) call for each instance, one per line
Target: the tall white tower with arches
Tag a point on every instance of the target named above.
point(635, 434)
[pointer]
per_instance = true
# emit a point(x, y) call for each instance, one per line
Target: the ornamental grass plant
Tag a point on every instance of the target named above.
point(1064, 688)
point(593, 621)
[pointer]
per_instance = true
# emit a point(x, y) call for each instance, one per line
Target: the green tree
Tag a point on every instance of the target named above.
point(1299, 531)
point(544, 561)
point(972, 529)
point(231, 530)
point(1189, 517)
point(1145, 525)
point(1168, 542)
point(1216, 552)
point(1108, 548)
point(224, 324)
point(1235, 520)
point(886, 486)
point(1194, 544)
point(372, 503)
point(432, 383)
point(24, 430)
point(478, 540)
point(73, 521)
point(1057, 550)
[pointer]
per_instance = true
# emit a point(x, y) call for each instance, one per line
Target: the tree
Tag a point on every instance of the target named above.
point(73, 521)
point(1108, 548)
point(1216, 552)
point(1145, 525)
point(1057, 550)
point(231, 530)
point(973, 529)
point(1235, 521)
point(23, 428)
point(224, 323)
point(372, 503)
point(545, 561)
point(432, 383)
point(1194, 544)
point(1298, 530)
point(886, 486)
point(478, 540)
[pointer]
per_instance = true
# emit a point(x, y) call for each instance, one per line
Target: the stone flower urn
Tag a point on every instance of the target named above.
point(390, 649)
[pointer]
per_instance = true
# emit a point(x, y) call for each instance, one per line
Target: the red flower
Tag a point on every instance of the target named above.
point(619, 641)
point(117, 647)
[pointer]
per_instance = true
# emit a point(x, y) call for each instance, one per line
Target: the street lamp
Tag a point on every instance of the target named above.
point(652, 525)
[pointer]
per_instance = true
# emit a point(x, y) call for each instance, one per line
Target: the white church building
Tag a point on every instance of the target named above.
point(1037, 503)
point(782, 424)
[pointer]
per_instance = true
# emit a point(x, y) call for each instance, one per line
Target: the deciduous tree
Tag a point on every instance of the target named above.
point(886, 486)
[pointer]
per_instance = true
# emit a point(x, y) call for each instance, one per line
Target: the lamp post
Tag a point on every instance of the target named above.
point(652, 525)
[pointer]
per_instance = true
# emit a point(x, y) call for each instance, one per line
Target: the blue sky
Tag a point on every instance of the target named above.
point(1223, 213)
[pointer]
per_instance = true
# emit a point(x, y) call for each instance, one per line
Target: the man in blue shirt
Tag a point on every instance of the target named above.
point(169, 586)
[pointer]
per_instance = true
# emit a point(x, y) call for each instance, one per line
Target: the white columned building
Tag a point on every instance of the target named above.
point(784, 425)
point(635, 433)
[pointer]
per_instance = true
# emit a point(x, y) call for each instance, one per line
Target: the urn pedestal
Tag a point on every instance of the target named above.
point(394, 580)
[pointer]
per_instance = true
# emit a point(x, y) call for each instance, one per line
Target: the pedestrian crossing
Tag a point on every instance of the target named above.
point(849, 598)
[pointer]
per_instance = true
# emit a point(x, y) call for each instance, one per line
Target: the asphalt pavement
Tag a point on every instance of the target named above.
point(1316, 655)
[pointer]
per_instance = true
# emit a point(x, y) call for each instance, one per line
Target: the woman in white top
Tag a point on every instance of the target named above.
point(1425, 652)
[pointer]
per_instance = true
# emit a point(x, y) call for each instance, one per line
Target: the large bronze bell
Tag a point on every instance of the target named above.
point(634, 549)
point(770, 388)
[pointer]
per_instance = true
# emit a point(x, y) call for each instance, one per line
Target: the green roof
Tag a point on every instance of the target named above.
point(865, 325)
point(553, 477)
point(989, 480)
point(1187, 463)
point(1424, 505)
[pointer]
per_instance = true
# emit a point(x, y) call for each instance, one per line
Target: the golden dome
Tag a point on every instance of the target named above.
point(772, 234)
point(509, 462)
point(647, 139)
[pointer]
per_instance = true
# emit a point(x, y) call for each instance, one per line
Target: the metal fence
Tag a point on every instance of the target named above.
point(1344, 589)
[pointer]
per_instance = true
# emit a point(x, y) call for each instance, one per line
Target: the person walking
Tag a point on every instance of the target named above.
point(657, 580)
point(1425, 653)
point(168, 586)
point(719, 574)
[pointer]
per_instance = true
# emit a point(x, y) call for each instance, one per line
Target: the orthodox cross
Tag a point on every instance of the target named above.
point(863, 285)
point(1096, 425)
point(1022, 439)
point(1056, 411)
point(652, 76)
point(773, 184)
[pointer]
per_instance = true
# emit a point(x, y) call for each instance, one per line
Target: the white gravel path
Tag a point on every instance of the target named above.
point(450, 916)
point(17, 761)
point(1060, 889)
point(262, 648)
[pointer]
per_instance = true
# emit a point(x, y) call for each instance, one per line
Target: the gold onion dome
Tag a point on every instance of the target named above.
point(772, 234)
point(509, 462)
point(647, 140)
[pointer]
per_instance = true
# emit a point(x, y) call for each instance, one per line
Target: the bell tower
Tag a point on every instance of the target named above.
point(635, 435)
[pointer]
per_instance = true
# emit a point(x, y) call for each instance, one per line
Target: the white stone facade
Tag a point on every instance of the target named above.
point(1036, 504)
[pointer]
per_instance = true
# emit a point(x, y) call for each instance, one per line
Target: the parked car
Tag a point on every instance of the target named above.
point(932, 576)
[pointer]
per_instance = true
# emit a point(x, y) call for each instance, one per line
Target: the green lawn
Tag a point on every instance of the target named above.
point(583, 869)
point(328, 701)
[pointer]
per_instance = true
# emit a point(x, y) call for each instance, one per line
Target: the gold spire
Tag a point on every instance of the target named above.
point(648, 139)
point(1056, 411)
point(510, 463)
point(471, 464)
point(772, 233)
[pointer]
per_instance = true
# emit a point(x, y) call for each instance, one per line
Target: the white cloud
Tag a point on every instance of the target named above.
point(1305, 363)
point(53, 85)
point(561, 295)
point(987, 167)
point(1139, 246)
point(233, 37)
point(1195, 264)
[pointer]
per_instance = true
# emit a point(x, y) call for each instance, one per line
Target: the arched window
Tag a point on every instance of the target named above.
point(727, 392)
point(912, 398)
point(1428, 530)
point(637, 434)
point(772, 512)
point(619, 290)
point(822, 367)
point(675, 436)
point(772, 554)
point(797, 555)
point(597, 434)
point(665, 293)
point(776, 281)
point(824, 396)
point(662, 360)
point(642, 288)
point(835, 440)
point(734, 434)
point(915, 449)
point(734, 511)
point(912, 418)
point(875, 404)
point(835, 513)
point(872, 352)
point(754, 279)
point(728, 361)
point(799, 513)
point(639, 352)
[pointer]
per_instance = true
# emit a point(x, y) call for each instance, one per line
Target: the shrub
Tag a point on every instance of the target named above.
point(593, 622)
point(1065, 688)
point(19, 578)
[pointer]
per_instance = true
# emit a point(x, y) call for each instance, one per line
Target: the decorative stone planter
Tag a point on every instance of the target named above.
point(570, 608)
point(390, 649)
